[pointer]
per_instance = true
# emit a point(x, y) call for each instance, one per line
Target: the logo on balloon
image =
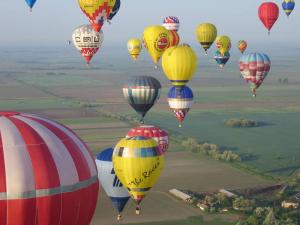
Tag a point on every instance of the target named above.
point(162, 42)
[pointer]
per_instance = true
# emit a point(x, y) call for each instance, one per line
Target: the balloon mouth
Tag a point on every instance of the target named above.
point(9, 113)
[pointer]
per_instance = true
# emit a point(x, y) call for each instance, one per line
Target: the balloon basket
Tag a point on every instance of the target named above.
point(119, 218)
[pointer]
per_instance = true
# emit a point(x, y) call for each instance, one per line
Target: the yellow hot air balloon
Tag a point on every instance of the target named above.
point(138, 164)
point(156, 41)
point(223, 43)
point(206, 34)
point(179, 64)
point(134, 47)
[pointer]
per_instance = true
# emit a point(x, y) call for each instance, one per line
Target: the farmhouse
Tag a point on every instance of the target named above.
point(227, 193)
point(181, 195)
point(290, 204)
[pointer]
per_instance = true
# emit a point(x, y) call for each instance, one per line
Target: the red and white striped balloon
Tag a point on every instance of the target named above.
point(47, 174)
point(159, 135)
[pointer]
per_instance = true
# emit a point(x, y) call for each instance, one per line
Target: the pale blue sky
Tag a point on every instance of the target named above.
point(52, 21)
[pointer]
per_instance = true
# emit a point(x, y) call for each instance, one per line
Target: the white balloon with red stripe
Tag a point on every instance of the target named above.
point(47, 174)
point(159, 135)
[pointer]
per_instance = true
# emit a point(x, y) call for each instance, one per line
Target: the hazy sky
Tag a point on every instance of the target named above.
point(52, 21)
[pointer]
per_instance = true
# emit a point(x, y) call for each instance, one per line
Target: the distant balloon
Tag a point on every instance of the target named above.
point(110, 182)
point(268, 13)
point(171, 23)
point(242, 46)
point(48, 175)
point(221, 59)
point(156, 41)
point(142, 92)
point(223, 43)
point(174, 38)
point(138, 165)
point(180, 101)
point(30, 3)
point(206, 34)
point(179, 64)
point(159, 135)
point(254, 68)
point(87, 41)
point(288, 6)
point(98, 11)
point(134, 46)
point(115, 10)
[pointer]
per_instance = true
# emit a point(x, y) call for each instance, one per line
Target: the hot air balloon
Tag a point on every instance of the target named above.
point(268, 13)
point(110, 182)
point(174, 38)
point(242, 46)
point(171, 23)
point(254, 68)
point(87, 41)
point(48, 175)
point(179, 64)
point(223, 43)
point(288, 6)
point(98, 11)
point(138, 165)
point(142, 92)
point(156, 41)
point(30, 3)
point(206, 34)
point(115, 10)
point(134, 47)
point(180, 101)
point(159, 135)
point(221, 59)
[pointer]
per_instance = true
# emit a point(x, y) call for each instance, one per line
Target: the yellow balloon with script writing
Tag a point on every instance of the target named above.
point(156, 41)
point(138, 164)
point(134, 47)
point(179, 63)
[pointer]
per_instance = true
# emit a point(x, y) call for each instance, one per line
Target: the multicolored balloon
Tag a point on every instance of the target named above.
point(174, 38)
point(87, 41)
point(171, 23)
point(98, 11)
point(159, 135)
point(254, 68)
point(179, 64)
point(138, 165)
point(288, 6)
point(156, 41)
point(134, 46)
point(223, 43)
point(206, 34)
point(242, 46)
point(110, 182)
point(221, 59)
point(30, 3)
point(115, 10)
point(142, 92)
point(268, 13)
point(180, 101)
point(46, 173)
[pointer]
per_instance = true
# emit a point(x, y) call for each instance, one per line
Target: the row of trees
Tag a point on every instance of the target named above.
point(241, 123)
point(211, 150)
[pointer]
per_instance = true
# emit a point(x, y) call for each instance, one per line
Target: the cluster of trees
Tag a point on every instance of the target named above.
point(211, 150)
point(269, 216)
point(241, 123)
point(243, 204)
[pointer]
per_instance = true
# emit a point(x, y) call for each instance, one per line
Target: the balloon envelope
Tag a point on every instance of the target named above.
point(268, 13)
point(46, 173)
point(242, 46)
point(109, 180)
point(179, 64)
point(254, 68)
point(206, 34)
point(87, 41)
point(142, 92)
point(221, 59)
point(288, 6)
point(138, 165)
point(30, 3)
point(134, 46)
point(174, 38)
point(180, 101)
point(223, 44)
point(115, 10)
point(171, 23)
point(159, 135)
